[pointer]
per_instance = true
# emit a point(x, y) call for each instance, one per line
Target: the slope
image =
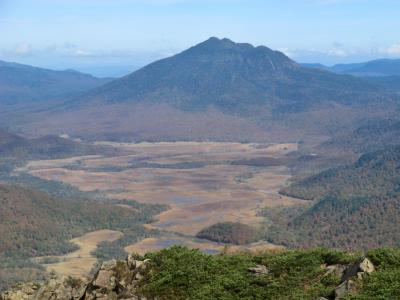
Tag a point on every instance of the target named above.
point(23, 83)
point(220, 90)
point(357, 205)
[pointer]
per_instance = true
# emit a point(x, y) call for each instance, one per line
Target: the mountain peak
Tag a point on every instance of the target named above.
point(217, 44)
point(215, 40)
point(223, 48)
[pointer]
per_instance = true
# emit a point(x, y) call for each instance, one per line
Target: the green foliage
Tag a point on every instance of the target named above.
point(386, 258)
point(384, 284)
point(180, 273)
point(380, 285)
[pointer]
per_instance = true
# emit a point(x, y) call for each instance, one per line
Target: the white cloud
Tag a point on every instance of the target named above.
point(23, 49)
point(337, 52)
point(394, 50)
point(286, 51)
point(67, 49)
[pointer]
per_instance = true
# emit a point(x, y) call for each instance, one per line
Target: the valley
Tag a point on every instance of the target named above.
point(202, 184)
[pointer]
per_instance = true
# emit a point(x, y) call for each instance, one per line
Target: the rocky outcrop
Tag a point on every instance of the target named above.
point(351, 275)
point(55, 289)
point(259, 270)
point(116, 279)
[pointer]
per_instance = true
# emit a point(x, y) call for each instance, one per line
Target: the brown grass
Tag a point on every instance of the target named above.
point(80, 262)
point(198, 197)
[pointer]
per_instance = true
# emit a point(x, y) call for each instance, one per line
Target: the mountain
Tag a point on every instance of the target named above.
point(23, 83)
point(316, 66)
point(357, 206)
point(381, 67)
point(232, 77)
point(374, 68)
point(218, 90)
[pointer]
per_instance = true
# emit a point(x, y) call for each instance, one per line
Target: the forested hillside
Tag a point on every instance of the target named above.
point(32, 224)
point(373, 175)
point(371, 136)
point(357, 206)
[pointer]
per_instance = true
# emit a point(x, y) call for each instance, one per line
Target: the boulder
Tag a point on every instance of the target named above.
point(344, 289)
point(358, 269)
point(117, 280)
point(104, 279)
point(259, 270)
point(65, 288)
point(367, 266)
point(337, 270)
point(351, 275)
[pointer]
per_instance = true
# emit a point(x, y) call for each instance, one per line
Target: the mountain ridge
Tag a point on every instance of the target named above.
point(24, 84)
point(217, 90)
point(383, 67)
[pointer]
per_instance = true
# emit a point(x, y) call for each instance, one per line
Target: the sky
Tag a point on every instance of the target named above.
point(114, 37)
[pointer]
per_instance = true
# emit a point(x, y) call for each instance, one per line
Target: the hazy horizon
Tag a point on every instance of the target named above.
point(111, 38)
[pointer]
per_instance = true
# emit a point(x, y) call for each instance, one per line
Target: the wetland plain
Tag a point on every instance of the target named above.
point(202, 183)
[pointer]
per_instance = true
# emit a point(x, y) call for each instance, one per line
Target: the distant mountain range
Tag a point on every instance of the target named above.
point(218, 90)
point(22, 83)
point(374, 68)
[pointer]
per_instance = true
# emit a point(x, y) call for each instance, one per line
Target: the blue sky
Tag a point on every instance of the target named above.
point(107, 37)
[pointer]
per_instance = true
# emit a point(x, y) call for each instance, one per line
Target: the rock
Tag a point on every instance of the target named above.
point(364, 266)
point(114, 280)
point(131, 261)
point(367, 266)
point(65, 288)
point(337, 270)
point(259, 270)
point(20, 292)
point(343, 289)
point(108, 265)
point(117, 280)
point(103, 279)
point(353, 272)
